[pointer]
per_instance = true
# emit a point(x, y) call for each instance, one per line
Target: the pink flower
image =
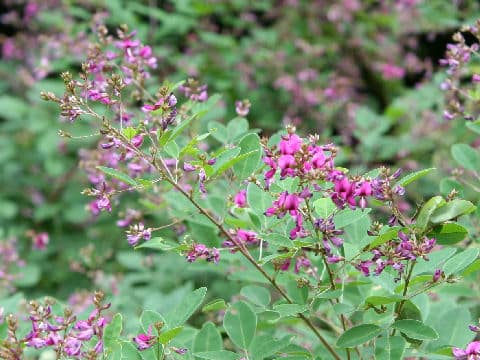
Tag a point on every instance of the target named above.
point(472, 349)
point(40, 241)
point(390, 71)
point(145, 341)
point(290, 144)
point(240, 199)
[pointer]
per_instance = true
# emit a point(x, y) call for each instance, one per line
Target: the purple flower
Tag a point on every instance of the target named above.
point(240, 199)
point(145, 341)
point(72, 346)
point(242, 108)
point(290, 144)
point(472, 349)
point(40, 241)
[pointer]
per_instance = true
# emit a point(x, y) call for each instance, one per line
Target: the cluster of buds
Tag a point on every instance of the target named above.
point(457, 58)
point(137, 232)
point(201, 251)
point(397, 253)
point(193, 90)
point(300, 262)
point(66, 335)
point(241, 238)
point(165, 106)
point(330, 237)
point(242, 107)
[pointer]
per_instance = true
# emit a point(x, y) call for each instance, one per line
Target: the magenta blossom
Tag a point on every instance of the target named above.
point(240, 199)
point(472, 352)
point(145, 341)
point(40, 241)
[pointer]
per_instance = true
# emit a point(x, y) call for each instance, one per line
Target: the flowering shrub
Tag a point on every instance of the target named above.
point(307, 256)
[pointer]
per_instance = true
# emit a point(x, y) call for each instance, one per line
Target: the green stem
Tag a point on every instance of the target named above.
point(404, 293)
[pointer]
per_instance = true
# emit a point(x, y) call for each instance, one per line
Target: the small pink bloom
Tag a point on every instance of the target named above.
point(40, 241)
point(240, 199)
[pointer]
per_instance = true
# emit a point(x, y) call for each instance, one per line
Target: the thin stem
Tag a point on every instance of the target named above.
point(329, 270)
point(242, 249)
point(404, 293)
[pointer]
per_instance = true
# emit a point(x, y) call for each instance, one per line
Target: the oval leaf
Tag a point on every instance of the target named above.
point(466, 156)
point(240, 323)
point(460, 261)
point(448, 234)
point(358, 335)
point(451, 210)
point(415, 329)
point(117, 175)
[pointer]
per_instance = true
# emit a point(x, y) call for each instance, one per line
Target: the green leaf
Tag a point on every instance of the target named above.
point(414, 177)
point(218, 355)
point(117, 175)
point(324, 207)
point(382, 300)
point(348, 216)
point(460, 261)
point(448, 234)
point(149, 318)
point(466, 156)
point(389, 348)
point(208, 339)
point(451, 327)
point(385, 237)
point(112, 331)
point(129, 351)
point(474, 126)
point(409, 311)
point(167, 336)
point(415, 329)
point(129, 132)
point(289, 309)
point(158, 243)
point(256, 294)
point(451, 210)
point(186, 307)
point(172, 149)
point(215, 305)
point(246, 166)
point(473, 267)
point(264, 346)
point(358, 335)
point(259, 200)
point(240, 323)
point(218, 131)
point(230, 163)
point(427, 210)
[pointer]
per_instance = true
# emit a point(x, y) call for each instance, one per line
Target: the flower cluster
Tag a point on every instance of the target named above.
point(241, 238)
point(457, 59)
point(137, 232)
point(314, 167)
point(65, 334)
point(9, 262)
point(193, 90)
point(396, 253)
point(201, 251)
point(472, 351)
point(330, 237)
point(145, 341)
